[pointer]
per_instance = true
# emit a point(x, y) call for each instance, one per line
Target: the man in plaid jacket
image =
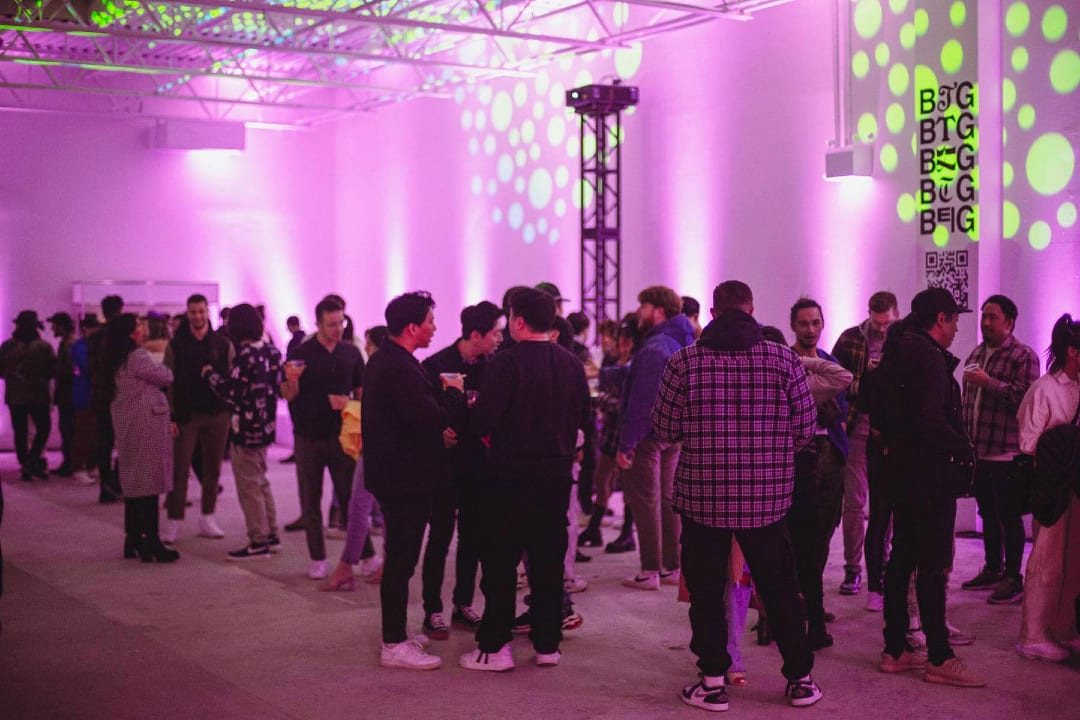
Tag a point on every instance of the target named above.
point(741, 407)
point(997, 374)
point(858, 349)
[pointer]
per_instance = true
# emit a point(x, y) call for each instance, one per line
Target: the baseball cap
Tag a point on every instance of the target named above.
point(931, 301)
point(551, 289)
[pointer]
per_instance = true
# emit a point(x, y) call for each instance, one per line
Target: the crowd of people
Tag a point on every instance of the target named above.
point(737, 453)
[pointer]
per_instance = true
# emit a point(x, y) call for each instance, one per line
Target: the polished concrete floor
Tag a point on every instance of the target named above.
point(89, 635)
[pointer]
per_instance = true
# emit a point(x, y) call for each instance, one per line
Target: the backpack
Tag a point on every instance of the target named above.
point(1057, 471)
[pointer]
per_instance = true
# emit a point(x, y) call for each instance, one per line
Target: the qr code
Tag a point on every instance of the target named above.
point(949, 269)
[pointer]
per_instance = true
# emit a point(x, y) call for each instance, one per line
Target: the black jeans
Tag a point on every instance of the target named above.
point(879, 525)
point(812, 520)
point(768, 552)
point(1003, 525)
point(924, 516)
point(537, 526)
point(110, 478)
point(66, 421)
point(405, 519)
point(454, 504)
point(313, 456)
point(21, 417)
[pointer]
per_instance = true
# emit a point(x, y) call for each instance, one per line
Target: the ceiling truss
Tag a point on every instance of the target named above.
point(301, 62)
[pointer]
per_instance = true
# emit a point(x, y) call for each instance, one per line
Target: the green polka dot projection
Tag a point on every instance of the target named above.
point(900, 47)
point(1039, 101)
point(524, 142)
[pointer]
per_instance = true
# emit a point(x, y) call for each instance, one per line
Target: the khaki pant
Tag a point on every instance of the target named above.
point(212, 431)
point(1053, 579)
point(253, 491)
point(648, 486)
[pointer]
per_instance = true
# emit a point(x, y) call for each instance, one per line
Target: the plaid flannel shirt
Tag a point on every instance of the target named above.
point(740, 415)
point(850, 352)
point(1014, 366)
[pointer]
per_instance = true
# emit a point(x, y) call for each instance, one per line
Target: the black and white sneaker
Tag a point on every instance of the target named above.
point(465, 617)
point(274, 543)
point(435, 627)
point(803, 692)
point(701, 696)
point(250, 552)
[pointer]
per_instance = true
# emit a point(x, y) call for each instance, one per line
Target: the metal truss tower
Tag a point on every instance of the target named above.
point(600, 108)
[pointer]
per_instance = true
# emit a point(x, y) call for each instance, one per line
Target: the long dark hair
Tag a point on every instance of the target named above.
point(1066, 334)
point(118, 345)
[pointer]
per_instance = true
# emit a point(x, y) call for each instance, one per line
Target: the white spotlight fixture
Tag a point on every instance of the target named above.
point(198, 135)
point(851, 161)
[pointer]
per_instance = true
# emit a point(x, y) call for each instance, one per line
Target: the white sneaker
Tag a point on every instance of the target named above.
point(208, 528)
point(499, 661)
point(82, 477)
point(171, 531)
point(318, 570)
point(671, 577)
point(643, 582)
point(548, 659)
point(875, 601)
point(409, 655)
point(575, 585)
point(370, 566)
point(1048, 651)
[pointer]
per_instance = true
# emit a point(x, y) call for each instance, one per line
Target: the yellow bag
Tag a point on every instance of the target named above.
point(351, 441)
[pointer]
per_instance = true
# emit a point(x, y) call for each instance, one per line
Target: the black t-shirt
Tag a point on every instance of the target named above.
point(325, 373)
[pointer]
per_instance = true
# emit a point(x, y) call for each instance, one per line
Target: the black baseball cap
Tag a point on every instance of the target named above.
point(931, 301)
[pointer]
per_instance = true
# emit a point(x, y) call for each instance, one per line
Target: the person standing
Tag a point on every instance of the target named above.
point(533, 402)
point(858, 349)
point(457, 500)
point(740, 406)
point(251, 391)
point(83, 445)
point(820, 486)
point(198, 415)
point(648, 463)
point(1048, 623)
point(111, 306)
point(27, 364)
point(997, 374)
point(321, 375)
point(63, 328)
point(406, 431)
point(134, 382)
point(917, 410)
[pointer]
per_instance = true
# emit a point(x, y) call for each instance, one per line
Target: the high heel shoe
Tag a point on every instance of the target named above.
point(343, 584)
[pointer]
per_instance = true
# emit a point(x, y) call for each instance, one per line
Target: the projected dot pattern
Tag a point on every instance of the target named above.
point(1041, 72)
point(525, 142)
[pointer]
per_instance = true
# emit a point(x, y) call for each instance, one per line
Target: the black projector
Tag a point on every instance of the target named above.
point(601, 99)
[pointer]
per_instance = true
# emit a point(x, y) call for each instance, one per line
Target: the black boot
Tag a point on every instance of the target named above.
point(149, 545)
point(161, 553)
point(131, 534)
point(591, 536)
point(625, 541)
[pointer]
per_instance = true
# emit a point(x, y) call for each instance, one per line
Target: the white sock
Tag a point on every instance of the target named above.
point(713, 681)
